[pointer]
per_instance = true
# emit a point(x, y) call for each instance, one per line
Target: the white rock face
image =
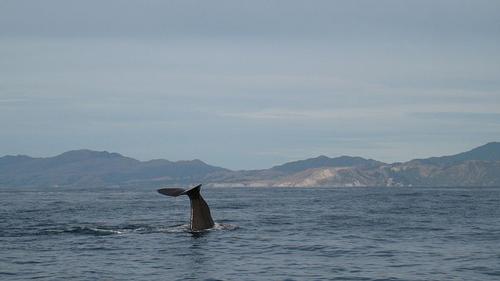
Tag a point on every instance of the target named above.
point(314, 177)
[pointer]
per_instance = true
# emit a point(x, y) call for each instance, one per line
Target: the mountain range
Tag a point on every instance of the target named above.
point(83, 168)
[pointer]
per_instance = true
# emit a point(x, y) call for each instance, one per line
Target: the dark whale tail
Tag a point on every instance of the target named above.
point(200, 212)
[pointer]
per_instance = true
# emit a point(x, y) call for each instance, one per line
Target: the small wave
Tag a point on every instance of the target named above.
point(420, 228)
point(85, 230)
point(411, 194)
point(27, 262)
point(174, 229)
point(81, 230)
point(224, 226)
point(185, 228)
point(129, 229)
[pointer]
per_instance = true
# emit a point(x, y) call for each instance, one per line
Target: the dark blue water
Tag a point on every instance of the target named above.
point(262, 234)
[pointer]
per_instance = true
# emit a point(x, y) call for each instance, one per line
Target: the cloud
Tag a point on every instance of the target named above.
point(232, 82)
point(321, 114)
point(490, 117)
point(7, 101)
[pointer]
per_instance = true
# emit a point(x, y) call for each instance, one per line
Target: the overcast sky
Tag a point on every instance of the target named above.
point(249, 84)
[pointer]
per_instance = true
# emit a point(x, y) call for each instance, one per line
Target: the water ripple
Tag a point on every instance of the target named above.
point(309, 234)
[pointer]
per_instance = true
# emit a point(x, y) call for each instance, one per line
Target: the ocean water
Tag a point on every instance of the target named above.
point(261, 234)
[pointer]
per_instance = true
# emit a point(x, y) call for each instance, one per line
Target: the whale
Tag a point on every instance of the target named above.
point(200, 219)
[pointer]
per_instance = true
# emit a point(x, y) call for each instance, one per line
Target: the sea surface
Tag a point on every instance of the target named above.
point(261, 234)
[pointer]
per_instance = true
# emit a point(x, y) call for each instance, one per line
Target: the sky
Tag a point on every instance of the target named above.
point(249, 84)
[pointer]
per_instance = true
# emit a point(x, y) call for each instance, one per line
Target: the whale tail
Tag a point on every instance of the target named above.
point(200, 212)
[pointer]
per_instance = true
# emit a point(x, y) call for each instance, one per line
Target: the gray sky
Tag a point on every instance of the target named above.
point(249, 84)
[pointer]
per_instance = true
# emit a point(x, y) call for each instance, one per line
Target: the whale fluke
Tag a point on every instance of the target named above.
point(172, 191)
point(200, 212)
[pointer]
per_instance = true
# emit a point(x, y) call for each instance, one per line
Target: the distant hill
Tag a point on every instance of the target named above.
point(477, 167)
point(94, 168)
point(323, 161)
point(487, 152)
point(86, 168)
